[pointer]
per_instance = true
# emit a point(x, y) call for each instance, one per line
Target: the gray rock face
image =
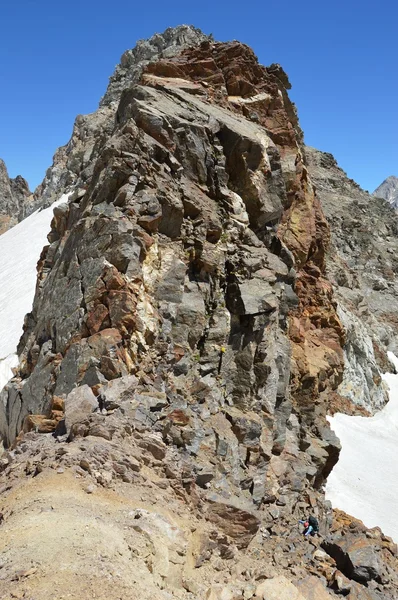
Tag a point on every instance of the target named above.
point(16, 201)
point(73, 163)
point(161, 45)
point(388, 190)
point(183, 333)
point(165, 274)
point(362, 265)
point(355, 557)
point(79, 404)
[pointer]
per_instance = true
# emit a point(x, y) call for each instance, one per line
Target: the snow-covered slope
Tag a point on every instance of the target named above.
point(364, 483)
point(20, 249)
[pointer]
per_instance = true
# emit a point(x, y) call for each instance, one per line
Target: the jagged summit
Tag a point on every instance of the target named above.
point(16, 200)
point(388, 190)
point(160, 45)
point(73, 163)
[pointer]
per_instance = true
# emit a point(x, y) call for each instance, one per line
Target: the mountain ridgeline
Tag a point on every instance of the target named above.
point(211, 290)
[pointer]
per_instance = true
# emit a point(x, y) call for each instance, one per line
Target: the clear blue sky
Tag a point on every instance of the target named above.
point(341, 57)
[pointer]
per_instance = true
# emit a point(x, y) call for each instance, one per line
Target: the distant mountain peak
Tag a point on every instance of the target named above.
point(388, 190)
point(16, 200)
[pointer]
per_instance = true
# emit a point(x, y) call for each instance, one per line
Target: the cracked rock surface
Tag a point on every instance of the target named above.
point(184, 347)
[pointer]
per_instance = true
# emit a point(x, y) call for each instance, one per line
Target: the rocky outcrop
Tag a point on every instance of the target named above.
point(388, 190)
point(161, 45)
point(16, 201)
point(120, 523)
point(361, 264)
point(184, 341)
point(194, 260)
point(73, 163)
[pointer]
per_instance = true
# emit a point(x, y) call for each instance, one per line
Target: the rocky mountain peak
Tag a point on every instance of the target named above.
point(388, 190)
point(186, 343)
point(193, 260)
point(160, 45)
point(73, 163)
point(16, 200)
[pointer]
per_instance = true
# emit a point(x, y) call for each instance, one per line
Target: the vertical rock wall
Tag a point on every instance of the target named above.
point(194, 259)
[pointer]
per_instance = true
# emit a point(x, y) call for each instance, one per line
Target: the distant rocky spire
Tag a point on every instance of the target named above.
point(16, 200)
point(388, 190)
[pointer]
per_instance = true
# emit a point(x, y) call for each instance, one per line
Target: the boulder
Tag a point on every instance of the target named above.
point(154, 445)
point(251, 297)
point(39, 423)
point(220, 592)
point(278, 588)
point(114, 393)
point(238, 523)
point(312, 588)
point(79, 405)
point(356, 557)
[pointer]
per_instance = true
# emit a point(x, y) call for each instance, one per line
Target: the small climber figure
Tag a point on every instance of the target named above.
point(222, 352)
point(311, 526)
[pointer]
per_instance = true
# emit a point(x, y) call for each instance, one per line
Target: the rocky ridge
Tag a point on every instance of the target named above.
point(73, 163)
point(183, 349)
point(388, 190)
point(362, 267)
point(16, 200)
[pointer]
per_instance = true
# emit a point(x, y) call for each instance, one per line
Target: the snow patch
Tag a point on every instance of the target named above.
point(364, 483)
point(6, 369)
point(20, 249)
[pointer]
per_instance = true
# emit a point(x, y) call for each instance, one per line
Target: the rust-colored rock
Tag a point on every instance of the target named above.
point(58, 404)
point(40, 424)
point(96, 318)
point(178, 417)
point(237, 523)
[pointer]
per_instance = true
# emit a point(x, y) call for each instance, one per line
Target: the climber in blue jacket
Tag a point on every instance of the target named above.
point(311, 526)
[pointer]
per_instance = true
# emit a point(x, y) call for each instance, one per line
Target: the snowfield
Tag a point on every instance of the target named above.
point(20, 249)
point(364, 483)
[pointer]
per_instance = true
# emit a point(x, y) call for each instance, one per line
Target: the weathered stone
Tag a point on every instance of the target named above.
point(39, 423)
point(278, 588)
point(252, 297)
point(154, 445)
point(313, 588)
point(58, 403)
point(170, 287)
point(178, 417)
point(115, 392)
point(220, 592)
point(152, 400)
point(247, 427)
point(341, 583)
point(79, 405)
point(237, 523)
point(356, 557)
point(204, 478)
point(99, 430)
